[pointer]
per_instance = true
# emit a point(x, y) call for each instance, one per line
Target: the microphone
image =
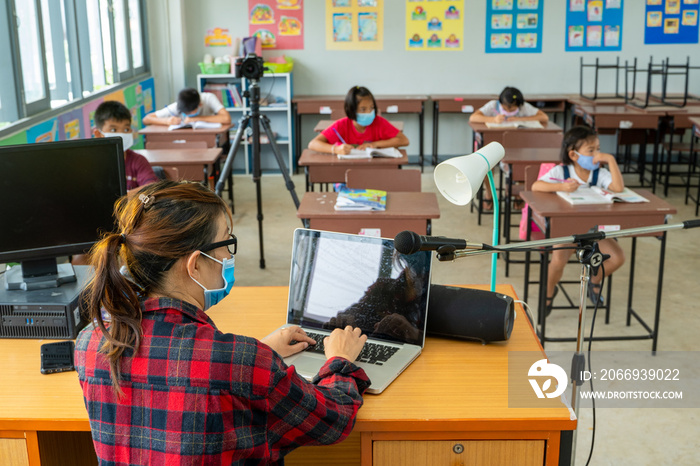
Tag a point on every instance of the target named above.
point(409, 242)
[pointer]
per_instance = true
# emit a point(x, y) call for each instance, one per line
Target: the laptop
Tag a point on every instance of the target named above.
point(340, 279)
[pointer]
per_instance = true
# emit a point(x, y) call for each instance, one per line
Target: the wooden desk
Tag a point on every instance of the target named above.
point(404, 211)
point(159, 133)
point(484, 135)
point(46, 413)
point(328, 168)
point(557, 218)
point(323, 124)
point(334, 105)
point(454, 103)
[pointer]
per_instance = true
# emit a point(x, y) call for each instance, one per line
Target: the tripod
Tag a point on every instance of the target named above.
point(255, 119)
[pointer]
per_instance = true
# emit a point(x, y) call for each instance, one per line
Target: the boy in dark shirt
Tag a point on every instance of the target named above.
point(113, 119)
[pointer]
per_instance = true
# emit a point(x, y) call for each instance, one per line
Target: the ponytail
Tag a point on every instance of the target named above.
point(162, 223)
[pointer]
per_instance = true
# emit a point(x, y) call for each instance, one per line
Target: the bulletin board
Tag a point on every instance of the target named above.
point(435, 25)
point(277, 23)
point(671, 22)
point(354, 24)
point(514, 26)
point(594, 25)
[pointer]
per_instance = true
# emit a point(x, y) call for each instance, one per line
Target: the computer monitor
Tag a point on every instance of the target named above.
point(55, 200)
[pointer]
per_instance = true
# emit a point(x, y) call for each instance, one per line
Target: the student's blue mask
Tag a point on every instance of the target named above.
point(365, 119)
point(586, 162)
point(212, 297)
point(192, 115)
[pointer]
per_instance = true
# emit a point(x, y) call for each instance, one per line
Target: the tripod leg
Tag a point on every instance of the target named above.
point(228, 166)
point(280, 161)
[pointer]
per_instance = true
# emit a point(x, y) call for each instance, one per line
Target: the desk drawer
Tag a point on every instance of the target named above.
point(399, 106)
point(455, 106)
point(210, 139)
point(482, 452)
point(323, 108)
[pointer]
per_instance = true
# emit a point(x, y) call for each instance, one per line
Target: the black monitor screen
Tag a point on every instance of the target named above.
point(56, 198)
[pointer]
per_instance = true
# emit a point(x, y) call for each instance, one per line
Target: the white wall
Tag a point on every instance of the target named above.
point(394, 70)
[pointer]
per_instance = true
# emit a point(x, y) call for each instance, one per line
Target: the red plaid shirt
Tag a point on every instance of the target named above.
point(195, 395)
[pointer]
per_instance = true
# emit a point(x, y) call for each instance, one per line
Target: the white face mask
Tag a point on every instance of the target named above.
point(127, 138)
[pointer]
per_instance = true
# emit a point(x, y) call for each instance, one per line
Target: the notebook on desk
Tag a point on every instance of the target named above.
point(339, 279)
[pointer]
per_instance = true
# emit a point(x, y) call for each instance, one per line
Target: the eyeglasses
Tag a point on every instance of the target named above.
point(233, 241)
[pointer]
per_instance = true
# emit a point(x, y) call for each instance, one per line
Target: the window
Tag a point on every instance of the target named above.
point(53, 52)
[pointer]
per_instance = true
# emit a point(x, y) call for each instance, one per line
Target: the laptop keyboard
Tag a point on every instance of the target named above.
point(372, 353)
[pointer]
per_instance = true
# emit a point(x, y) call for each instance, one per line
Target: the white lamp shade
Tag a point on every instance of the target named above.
point(458, 179)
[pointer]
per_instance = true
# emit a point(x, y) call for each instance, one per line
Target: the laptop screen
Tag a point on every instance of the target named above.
point(339, 279)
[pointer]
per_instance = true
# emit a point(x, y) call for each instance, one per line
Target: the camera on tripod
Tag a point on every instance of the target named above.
point(249, 67)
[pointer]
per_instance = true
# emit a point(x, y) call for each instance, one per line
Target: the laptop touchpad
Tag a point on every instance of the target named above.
point(308, 367)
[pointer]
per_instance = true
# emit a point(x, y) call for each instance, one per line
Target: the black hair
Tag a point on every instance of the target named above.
point(111, 110)
point(188, 100)
point(574, 139)
point(511, 96)
point(351, 99)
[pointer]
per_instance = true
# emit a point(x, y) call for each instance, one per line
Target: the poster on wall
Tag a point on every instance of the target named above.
point(277, 23)
point(514, 26)
point(46, 131)
point(671, 22)
point(70, 126)
point(434, 25)
point(593, 25)
point(355, 24)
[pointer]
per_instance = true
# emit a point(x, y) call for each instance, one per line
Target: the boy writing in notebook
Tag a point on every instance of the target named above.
point(191, 106)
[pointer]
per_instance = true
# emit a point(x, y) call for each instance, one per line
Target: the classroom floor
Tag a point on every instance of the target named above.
point(637, 436)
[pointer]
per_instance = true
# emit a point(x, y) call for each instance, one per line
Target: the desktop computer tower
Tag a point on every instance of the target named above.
point(51, 313)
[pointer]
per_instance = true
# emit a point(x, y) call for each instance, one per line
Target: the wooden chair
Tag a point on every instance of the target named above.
point(386, 180)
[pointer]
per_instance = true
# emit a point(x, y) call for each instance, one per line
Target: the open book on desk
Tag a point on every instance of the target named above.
point(195, 125)
point(531, 124)
point(360, 199)
point(595, 195)
point(388, 152)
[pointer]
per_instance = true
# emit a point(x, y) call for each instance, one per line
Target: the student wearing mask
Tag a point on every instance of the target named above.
point(361, 128)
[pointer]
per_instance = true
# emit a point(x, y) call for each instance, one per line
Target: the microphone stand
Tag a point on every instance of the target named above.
point(590, 258)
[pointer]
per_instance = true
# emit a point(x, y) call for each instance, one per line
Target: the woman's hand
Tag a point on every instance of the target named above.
point(281, 341)
point(345, 343)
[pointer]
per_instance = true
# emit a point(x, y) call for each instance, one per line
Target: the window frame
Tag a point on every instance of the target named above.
point(21, 114)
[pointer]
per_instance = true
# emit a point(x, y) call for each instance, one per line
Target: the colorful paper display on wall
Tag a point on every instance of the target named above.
point(79, 122)
point(593, 25)
point(435, 25)
point(671, 22)
point(514, 26)
point(354, 24)
point(278, 23)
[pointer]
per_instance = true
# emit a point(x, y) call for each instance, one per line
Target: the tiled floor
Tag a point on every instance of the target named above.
point(636, 436)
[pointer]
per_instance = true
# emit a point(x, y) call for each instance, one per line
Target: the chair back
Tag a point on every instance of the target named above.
point(385, 179)
point(537, 139)
point(177, 145)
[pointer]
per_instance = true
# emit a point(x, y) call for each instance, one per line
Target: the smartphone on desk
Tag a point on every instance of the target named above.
point(57, 357)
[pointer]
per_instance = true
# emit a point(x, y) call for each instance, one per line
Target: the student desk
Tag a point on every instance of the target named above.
point(43, 418)
point(484, 135)
point(454, 103)
point(404, 211)
point(517, 159)
point(159, 133)
point(328, 168)
point(557, 218)
point(679, 119)
point(334, 105)
point(323, 124)
point(188, 162)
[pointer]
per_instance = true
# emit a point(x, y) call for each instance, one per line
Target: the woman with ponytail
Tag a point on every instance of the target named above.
point(162, 384)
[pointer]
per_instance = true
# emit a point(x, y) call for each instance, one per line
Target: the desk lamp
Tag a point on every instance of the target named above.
point(459, 178)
